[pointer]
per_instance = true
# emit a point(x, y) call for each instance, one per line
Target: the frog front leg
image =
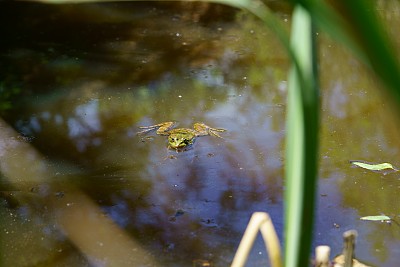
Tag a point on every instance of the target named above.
point(203, 129)
point(162, 128)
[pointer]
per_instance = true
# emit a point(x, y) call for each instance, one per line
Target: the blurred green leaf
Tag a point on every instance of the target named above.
point(356, 24)
point(301, 142)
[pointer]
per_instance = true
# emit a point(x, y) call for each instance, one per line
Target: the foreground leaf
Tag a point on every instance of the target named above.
point(381, 167)
point(376, 218)
point(302, 126)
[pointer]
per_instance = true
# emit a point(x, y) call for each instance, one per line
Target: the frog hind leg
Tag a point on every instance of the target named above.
point(203, 129)
point(162, 128)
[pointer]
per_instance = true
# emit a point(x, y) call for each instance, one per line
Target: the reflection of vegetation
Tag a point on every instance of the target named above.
point(8, 93)
point(261, 77)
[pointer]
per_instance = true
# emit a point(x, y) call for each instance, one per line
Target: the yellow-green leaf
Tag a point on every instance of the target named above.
point(378, 167)
point(376, 218)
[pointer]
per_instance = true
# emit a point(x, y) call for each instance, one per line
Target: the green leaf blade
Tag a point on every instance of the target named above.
point(382, 218)
point(376, 167)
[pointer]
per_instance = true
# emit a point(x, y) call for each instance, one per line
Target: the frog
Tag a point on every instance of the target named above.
point(181, 138)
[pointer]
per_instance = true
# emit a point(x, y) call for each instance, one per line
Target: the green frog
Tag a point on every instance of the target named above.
point(181, 138)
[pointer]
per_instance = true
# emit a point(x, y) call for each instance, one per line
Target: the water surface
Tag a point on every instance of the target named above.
point(90, 75)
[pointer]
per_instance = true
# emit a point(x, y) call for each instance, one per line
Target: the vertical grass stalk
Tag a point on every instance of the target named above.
point(301, 142)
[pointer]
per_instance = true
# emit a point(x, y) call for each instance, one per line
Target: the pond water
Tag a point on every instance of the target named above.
point(87, 76)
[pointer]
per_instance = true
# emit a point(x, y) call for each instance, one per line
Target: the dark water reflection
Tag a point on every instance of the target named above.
point(97, 72)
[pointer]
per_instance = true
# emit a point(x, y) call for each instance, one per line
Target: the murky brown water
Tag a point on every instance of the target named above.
point(91, 74)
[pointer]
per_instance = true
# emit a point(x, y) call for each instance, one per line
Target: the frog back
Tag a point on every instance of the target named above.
point(189, 133)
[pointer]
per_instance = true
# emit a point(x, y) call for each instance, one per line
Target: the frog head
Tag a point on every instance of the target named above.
point(180, 140)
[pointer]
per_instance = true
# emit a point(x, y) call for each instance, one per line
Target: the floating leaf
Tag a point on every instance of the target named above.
point(376, 218)
point(381, 167)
